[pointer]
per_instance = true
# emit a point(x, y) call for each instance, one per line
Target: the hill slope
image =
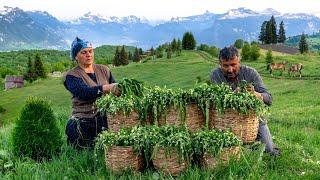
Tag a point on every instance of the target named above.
point(293, 120)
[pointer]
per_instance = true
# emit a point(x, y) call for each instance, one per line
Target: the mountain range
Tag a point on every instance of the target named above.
point(39, 30)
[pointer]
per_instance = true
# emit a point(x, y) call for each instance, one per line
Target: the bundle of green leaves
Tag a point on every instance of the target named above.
point(110, 138)
point(157, 100)
point(131, 87)
point(243, 102)
point(212, 141)
point(111, 105)
point(221, 97)
point(175, 138)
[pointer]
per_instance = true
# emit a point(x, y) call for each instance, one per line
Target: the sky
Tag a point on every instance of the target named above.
point(158, 9)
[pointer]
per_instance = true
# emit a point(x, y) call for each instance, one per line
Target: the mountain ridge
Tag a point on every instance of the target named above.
point(41, 30)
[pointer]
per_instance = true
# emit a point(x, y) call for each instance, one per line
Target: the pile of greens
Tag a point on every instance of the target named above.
point(212, 141)
point(131, 87)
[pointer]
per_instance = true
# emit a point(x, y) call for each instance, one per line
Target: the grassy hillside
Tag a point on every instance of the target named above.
point(293, 121)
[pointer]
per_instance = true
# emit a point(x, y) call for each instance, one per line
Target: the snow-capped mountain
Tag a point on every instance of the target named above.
point(20, 29)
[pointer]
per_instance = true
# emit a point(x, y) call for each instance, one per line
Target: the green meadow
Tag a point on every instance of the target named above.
point(293, 121)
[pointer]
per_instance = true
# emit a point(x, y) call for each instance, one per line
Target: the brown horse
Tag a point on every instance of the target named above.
point(277, 66)
point(295, 68)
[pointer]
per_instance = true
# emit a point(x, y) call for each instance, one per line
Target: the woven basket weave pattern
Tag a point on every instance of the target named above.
point(120, 120)
point(210, 162)
point(119, 158)
point(243, 126)
point(194, 117)
point(170, 163)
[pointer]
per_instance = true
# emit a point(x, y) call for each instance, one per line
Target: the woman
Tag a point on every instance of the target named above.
point(86, 82)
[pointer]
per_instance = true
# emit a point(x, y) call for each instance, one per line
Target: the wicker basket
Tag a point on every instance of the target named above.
point(119, 158)
point(194, 117)
point(120, 120)
point(168, 163)
point(210, 162)
point(243, 126)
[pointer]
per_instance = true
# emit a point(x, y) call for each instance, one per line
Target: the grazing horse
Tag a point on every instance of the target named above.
point(295, 68)
point(277, 66)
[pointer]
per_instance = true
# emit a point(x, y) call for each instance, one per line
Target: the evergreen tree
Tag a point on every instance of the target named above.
point(116, 58)
point(140, 51)
point(152, 52)
point(136, 55)
point(174, 45)
point(169, 53)
point(238, 43)
point(263, 32)
point(36, 133)
point(179, 47)
point(39, 71)
point(29, 76)
point(130, 57)
point(273, 26)
point(245, 52)
point(303, 44)
point(269, 58)
point(282, 33)
point(159, 52)
point(123, 56)
point(188, 41)
point(254, 52)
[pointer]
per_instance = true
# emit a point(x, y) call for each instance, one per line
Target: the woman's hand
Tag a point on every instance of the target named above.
point(112, 88)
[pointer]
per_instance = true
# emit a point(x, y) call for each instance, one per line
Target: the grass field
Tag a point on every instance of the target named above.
point(293, 121)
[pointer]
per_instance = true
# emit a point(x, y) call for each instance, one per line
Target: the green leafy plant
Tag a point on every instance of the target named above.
point(111, 105)
point(175, 138)
point(36, 134)
point(2, 110)
point(212, 141)
point(131, 87)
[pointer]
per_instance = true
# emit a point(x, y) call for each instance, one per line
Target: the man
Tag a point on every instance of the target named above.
point(232, 73)
point(86, 82)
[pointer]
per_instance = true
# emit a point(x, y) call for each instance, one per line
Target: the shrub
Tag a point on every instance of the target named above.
point(245, 53)
point(36, 134)
point(2, 110)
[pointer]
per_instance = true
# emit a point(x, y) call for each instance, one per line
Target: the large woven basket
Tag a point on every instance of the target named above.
point(223, 157)
point(169, 163)
point(119, 158)
point(194, 117)
point(243, 126)
point(120, 120)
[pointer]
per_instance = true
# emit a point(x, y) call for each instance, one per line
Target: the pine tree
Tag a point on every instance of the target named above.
point(273, 26)
point(188, 41)
point(269, 58)
point(136, 55)
point(29, 76)
point(245, 52)
point(174, 45)
point(130, 57)
point(282, 33)
point(140, 51)
point(169, 52)
point(116, 58)
point(263, 32)
point(39, 71)
point(152, 52)
point(179, 47)
point(303, 44)
point(123, 56)
point(159, 52)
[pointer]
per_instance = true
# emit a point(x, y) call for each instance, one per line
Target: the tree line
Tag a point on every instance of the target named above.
point(268, 32)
